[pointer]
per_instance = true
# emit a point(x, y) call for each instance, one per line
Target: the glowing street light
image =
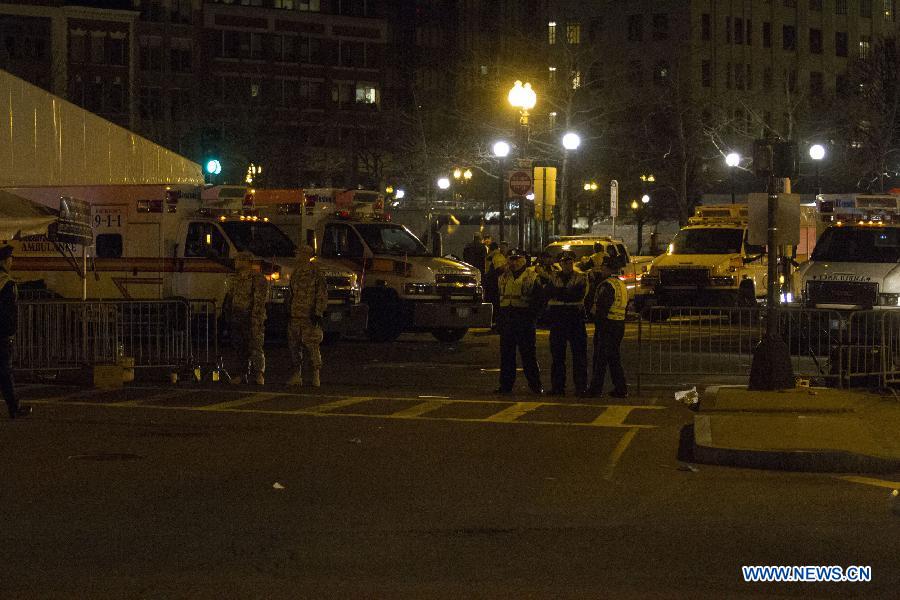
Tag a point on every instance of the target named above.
point(571, 141)
point(817, 153)
point(732, 159)
point(501, 149)
point(443, 183)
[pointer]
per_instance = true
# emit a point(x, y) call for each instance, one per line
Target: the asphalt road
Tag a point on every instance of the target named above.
point(403, 476)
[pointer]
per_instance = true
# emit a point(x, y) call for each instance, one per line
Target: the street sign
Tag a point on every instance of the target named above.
point(74, 222)
point(544, 192)
point(614, 198)
point(520, 183)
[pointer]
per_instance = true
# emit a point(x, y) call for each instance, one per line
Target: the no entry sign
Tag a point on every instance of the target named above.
point(520, 183)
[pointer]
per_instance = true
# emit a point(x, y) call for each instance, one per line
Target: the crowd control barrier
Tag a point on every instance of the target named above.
point(57, 335)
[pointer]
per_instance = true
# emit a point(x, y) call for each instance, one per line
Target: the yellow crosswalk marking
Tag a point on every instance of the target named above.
point(891, 485)
point(513, 412)
point(252, 398)
point(419, 409)
point(149, 399)
point(329, 406)
point(613, 416)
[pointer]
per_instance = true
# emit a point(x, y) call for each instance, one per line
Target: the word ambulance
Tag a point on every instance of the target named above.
point(405, 287)
point(156, 242)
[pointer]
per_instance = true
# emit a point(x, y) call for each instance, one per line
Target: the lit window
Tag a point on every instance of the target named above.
point(551, 32)
point(552, 75)
point(573, 33)
point(553, 120)
point(865, 46)
point(484, 70)
point(366, 94)
point(888, 10)
point(576, 80)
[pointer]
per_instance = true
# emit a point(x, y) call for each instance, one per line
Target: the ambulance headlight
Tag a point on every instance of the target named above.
point(888, 299)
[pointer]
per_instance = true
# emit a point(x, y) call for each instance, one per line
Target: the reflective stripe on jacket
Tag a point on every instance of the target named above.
point(516, 291)
point(617, 310)
point(567, 292)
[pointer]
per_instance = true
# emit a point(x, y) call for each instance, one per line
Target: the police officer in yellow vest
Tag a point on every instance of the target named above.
point(608, 308)
point(565, 292)
point(516, 321)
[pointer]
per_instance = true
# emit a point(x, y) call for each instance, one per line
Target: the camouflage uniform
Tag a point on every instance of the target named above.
point(248, 291)
point(309, 299)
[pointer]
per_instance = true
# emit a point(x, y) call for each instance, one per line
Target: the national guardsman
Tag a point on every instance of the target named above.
point(565, 291)
point(309, 299)
point(247, 292)
point(519, 291)
point(608, 308)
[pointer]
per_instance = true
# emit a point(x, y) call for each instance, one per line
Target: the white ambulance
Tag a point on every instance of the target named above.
point(405, 287)
point(155, 242)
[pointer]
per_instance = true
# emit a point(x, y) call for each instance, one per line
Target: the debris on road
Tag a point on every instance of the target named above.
point(277, 486)
point(687, 467)
point(689, 398)
point(354, 441)
point(895, 495)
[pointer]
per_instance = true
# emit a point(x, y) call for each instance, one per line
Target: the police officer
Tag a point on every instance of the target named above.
point(518, 287)
point(309, 299)
point(9, 322)
point(247, 292)
point(566, 290)
point(608, 308)
point(494, 265)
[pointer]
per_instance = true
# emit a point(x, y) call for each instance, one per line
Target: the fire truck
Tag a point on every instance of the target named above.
point(710, 262)
point(405, 287)
point(856, 262)
point(154, 242)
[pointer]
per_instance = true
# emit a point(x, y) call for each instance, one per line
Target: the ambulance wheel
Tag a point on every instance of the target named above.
point(449, 334)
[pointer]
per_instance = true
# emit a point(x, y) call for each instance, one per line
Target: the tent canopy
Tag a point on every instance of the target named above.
point(20, 217)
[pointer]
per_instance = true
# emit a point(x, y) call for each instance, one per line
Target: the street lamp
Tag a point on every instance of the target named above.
point(443, 183)
point(570, 141)
point(501, 151)
point(639, 209)
point(733, 159)
point(817, 153)
point(521, 96)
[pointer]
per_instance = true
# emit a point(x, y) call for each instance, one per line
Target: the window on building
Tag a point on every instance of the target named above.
point(150, 103)
point(841, 43)
point(551, 32)
point(738, 31)
point(152, 10)
point(180, 11)
point(815, 41)
point(595, 29)
point(151, 54)
point(727, 30)
point(888, 10)
point(115, 100)
point(288, 48)
point(98, 48)
point(76, 47)
point(789, 38)
point(840, 7)
point(749, 32)
point(635, 28)
point(767, 79)
point(749, 76)
point(705, 27)
point(840, 84)
point(790, 3)
point(551, 75)
point(308, 5)
point(865, 46)
point(790, 78)
point(284, 4)
point(815, 5)
point(865, 9)
point(257, 46)
point(739, 76)
point(180, 60)
point(310, 50)
point(352, 54)
point(366, 93)
point(573, 32)
point(706, 73)
point(115, 51)
point(180, 103)
point(595, 76)
point(551, 120)
point(660, 26)
point(816, 83)
point(767, 34)
point(636, 73)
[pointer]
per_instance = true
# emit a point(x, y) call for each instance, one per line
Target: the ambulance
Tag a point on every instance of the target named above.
point(405, 287)
point(710, 262)
point(856, 262)
point(156, 242)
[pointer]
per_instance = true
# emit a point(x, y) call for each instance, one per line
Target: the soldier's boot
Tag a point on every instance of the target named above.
point(315, 378)
point(296, 380)
point(259, 379)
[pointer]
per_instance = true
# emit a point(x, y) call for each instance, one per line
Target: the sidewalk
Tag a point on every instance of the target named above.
point(804, 429)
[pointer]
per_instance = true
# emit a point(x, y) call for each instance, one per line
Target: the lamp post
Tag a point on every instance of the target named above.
point(733, 159)
point(570, 141)
point(521, 96)
point(817, 153)
point(639, 215)
point(501, 151)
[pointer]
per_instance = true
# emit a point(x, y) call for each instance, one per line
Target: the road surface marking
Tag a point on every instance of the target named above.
point(511, 413)
point(329, 406)
point(419, 409)
point(618, 451)
point(251, 398)
point(891, 485)
point(702, 432)
point(613, 416)
point(149, 399)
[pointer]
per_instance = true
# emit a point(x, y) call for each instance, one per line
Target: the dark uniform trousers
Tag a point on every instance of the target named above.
point(517, 331)
point(6, 380)
point(608, 334)
point(567, 328)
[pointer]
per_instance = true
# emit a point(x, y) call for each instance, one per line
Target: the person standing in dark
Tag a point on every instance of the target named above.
point(565, 292)
point(518, 287)
point(494, 265)
point(475, 253)
point(608, 308)
point(9, 323)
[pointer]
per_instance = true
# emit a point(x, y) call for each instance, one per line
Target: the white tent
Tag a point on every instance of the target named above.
point(20, 217)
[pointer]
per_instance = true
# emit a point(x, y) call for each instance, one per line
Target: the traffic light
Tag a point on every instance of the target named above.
point(213, 166)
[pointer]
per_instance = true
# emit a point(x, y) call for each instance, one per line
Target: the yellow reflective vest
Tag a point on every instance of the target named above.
point(516, 291)
point(617, 310)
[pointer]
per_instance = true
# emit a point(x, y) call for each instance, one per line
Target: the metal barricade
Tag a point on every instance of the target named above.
point(675, 341)
point(71, 334)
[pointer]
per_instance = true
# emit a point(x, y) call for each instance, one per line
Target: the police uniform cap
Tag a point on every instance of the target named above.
point(5, 251)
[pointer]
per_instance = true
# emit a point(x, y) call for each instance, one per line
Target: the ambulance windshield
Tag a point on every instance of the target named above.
point(386, 238)
point(261, 238)
point(867, 244)
point(708, 241)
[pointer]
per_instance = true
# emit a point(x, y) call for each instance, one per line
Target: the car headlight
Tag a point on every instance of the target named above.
point(418, 289)
point(888, 299)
